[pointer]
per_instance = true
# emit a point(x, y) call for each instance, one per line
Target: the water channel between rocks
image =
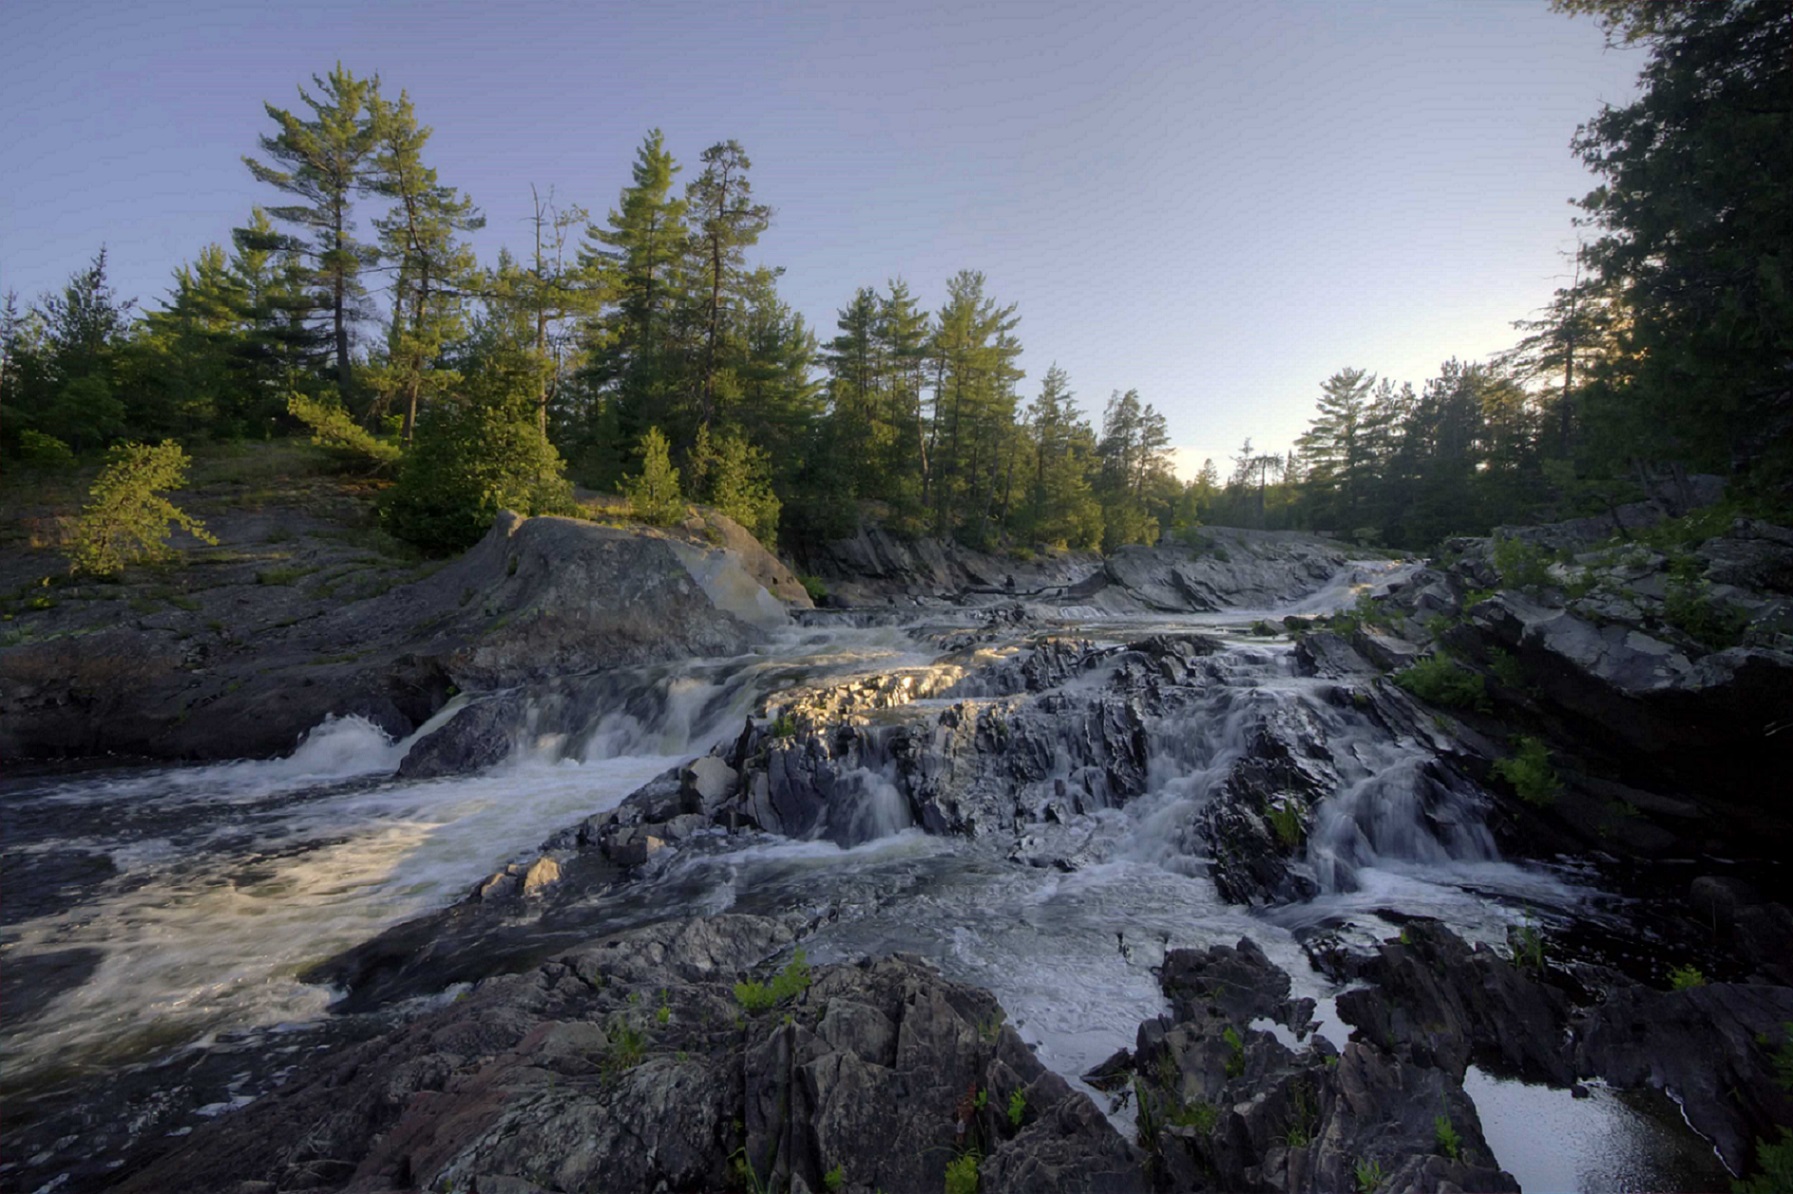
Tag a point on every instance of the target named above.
point(152, 911)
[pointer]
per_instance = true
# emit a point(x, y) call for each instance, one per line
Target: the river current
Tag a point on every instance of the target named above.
point(172, 906)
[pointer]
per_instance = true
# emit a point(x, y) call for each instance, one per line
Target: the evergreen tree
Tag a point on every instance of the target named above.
point(474, 455)
point(1062, 509)
point(321, 161)
point(1337, 450)
point(727, 222)
point(547, 292)
point(639, 257)
point(189, 361)
point(433, 267)
point(973, 355)
point(283, 349)
point(1136, 483)
point(1695, 231)
point(85, 329)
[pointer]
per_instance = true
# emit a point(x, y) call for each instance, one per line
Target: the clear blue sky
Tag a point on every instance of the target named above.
point(1216, 202)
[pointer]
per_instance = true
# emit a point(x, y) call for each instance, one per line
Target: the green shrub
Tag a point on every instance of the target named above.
point(1526, 944)
point(333, 427)
point(1368, 1175)
point(1690, 608)
point(1686, 978)
point(1534, 780)
point(1440, 680)
point(1235, 1058)
point(736, 478)
point(792, 980)
point(654, 494)
point(1506, 668)
point(961, 1173)
point(1200, 1115)
point(1445, 1133)
point(813, 585)
point(1520, 564)
point(470, 460)
point(1017, 1107)
point(45, 451)
point(126, 519)
point(1774, 1165)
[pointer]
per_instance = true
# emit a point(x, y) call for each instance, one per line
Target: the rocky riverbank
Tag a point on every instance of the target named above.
point(571, 1025)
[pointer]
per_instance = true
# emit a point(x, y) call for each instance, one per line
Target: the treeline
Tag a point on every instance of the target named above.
point(645, 352)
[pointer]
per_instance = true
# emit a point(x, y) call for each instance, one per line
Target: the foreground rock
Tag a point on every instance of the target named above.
point(631, 1063)
point(536, 598)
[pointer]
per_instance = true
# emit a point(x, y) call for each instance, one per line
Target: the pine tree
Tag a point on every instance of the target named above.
point(321, 162)
point(85, 331)
point(638, 258)
point(433, 268)
point(727, 223)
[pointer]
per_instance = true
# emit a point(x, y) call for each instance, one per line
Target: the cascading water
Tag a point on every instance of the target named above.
point(227, 881)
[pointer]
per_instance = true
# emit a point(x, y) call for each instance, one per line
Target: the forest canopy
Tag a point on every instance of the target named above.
point(352, 308)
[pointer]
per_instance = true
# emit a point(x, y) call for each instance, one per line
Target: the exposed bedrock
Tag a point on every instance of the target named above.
point(631, 1063)
point(536, 598)
point(1215, 568)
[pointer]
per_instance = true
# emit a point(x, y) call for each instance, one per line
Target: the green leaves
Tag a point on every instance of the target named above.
point(127, 520)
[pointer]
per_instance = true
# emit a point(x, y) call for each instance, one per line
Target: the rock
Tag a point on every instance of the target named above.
point(706, 782)
point(1705, 1047)
point(1238, 981)
point(1225, 1107)
point(536, 598)
point(1440, 1002)
point(571, 1076)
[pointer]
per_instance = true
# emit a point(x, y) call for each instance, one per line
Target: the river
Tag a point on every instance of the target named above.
point(152, 912)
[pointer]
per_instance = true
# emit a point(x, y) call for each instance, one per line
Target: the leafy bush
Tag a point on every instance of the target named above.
point(815, 587)
point(1440, 680)
point(792, 980)
point(1534, 780)
point(1520, 564)
point(1368, 1176)
point(127, 520)
point(1690, 608)
point(1686, 978)
point(736, 476)
point(1235, 1058)
point(1017, 1107)
point(470, 460)
point(1445, 1133)
point(333, 427)
point(45, 451)
point(1775, 1167)
point(654, 494)
point(961, 1173)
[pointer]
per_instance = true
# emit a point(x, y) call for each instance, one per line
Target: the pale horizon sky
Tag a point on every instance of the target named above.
point(1216, 204)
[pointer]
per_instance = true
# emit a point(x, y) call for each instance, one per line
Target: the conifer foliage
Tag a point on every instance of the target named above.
point(652, 350)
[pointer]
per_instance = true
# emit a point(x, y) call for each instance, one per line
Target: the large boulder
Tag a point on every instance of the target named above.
point(634, 1063)
point(536, 598)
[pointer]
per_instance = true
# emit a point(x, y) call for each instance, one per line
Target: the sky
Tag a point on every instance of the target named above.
point(1216, 203)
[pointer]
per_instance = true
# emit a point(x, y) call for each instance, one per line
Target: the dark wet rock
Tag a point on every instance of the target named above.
point(479, 736)
point(1710, 1046)
point(630, 1064)
point(1259, 819)
point(536, 598)
point(1325, 654)
point(1225, 1107)
point(1239, 981)
point(1441, 1002)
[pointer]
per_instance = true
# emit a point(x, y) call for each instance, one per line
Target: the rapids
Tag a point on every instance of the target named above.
point(200, 893)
